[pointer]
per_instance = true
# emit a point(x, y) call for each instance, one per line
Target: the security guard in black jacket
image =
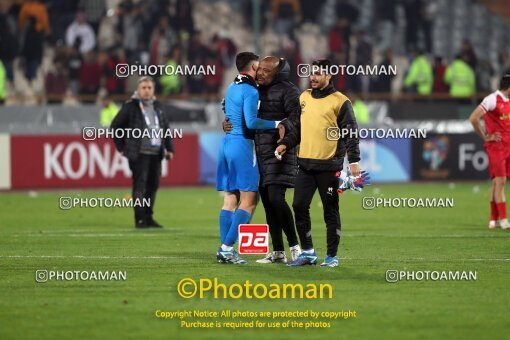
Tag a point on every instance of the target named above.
point(322, 113)
point(143, 112)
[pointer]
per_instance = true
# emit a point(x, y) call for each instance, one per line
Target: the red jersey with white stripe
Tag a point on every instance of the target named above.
point(497, 114)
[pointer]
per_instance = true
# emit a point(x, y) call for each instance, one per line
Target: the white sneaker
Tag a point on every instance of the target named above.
point(274, 257)
point(295, 251)
point(493, 224)
point(504, 224)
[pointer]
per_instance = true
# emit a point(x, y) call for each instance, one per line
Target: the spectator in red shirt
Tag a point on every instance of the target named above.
point(56, 83)
point(225, 49)
point(291, 53)
point(214, 81)
point(336, 38)
point(340, 80)
point(109, 62)
point(439, 70)
point(89, 76)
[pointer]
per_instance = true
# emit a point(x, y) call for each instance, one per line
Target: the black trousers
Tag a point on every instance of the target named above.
point(146, 172)
point(278, 215)
point(307, 182)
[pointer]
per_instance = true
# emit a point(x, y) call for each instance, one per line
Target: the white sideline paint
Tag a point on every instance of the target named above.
point(116, 232)
point(77, 231)
point(87, 257)
point(179, 257)
point(5, 165)
point(156, 234)
point(84, 235)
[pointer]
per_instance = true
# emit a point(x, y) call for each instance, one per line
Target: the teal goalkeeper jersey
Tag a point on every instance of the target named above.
point(241, 107)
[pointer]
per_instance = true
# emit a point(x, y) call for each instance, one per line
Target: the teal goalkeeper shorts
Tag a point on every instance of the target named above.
point(237, 165)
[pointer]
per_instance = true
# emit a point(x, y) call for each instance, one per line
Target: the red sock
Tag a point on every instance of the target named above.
point(501, 210)
point(494, 211)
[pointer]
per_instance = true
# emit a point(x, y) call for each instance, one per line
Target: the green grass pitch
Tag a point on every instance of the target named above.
point(36, 234)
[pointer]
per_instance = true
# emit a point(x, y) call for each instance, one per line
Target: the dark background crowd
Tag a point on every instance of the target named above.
point(86, 39)
point(148, 32)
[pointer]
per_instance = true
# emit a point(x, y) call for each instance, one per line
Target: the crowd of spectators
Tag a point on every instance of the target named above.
point(87, 40)
point(427, 73)
point(349, 43)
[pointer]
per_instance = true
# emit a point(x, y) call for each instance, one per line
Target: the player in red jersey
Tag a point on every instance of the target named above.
point(495, 110)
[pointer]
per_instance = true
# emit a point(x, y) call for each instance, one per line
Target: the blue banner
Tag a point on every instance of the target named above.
point(387, 160)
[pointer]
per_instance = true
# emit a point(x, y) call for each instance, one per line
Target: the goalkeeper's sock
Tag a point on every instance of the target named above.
point(501, 210)
point(226, 248)
point(494, 211)
point(240, 217)
point(309, 251)
point(225, 222)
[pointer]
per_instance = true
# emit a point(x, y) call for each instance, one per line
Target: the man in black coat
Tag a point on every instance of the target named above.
point(143, 113)
point(278, 99)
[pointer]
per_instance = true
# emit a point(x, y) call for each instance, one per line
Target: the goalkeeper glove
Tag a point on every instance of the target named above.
point(350, 182)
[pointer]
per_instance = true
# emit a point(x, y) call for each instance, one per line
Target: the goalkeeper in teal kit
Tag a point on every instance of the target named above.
point(238, 174)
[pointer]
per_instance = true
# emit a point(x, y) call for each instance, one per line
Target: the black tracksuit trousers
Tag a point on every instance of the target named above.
point(278, 215)
point(307, 182)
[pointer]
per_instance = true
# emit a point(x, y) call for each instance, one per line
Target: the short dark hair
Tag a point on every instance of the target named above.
point(504, 83)
point(244, 59)
point(324, 64)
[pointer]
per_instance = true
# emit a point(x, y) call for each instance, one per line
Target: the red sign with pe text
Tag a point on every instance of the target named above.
point(253, 239)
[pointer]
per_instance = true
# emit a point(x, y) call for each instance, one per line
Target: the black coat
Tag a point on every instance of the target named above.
point(33, 43)
point(8, 40)
point(130, 116)
point(277, 101)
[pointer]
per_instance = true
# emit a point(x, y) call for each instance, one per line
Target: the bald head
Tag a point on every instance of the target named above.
point(268, 67)
point(271, 60)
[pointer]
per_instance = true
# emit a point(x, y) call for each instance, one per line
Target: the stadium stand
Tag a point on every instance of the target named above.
point(194, 32)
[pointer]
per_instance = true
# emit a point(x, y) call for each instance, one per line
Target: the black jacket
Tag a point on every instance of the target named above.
point(131, 117)
point(8, 40)
point(348, 145)
point(277, 101)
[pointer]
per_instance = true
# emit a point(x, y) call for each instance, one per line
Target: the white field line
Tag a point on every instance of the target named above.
point(117, 233)
point(85, 235)
point(416, 259)
point(87, 257)
point(131, 231)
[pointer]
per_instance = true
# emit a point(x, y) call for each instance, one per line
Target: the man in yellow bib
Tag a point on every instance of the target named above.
point(323, 113)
